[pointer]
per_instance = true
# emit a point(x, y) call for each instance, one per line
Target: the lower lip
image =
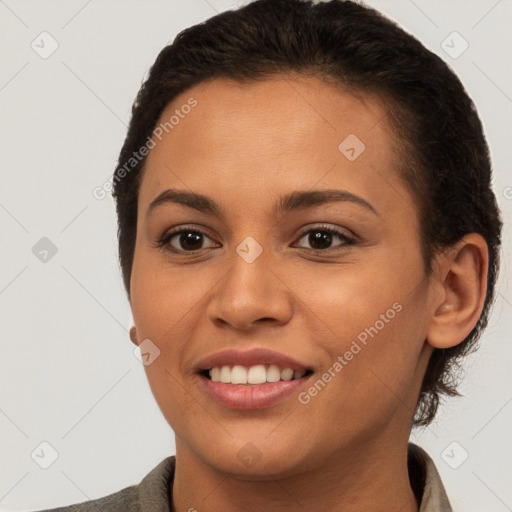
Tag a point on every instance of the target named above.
point(252, 396)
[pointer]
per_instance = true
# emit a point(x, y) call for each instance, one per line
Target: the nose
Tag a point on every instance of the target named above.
point(251, 294)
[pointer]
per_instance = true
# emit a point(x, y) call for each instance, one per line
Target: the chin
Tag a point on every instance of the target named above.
point(253, 453)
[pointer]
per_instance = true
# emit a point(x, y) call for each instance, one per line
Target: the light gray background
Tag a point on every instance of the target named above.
point(67, 369)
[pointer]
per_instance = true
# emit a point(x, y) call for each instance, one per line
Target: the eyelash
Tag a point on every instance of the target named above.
point(163, 242)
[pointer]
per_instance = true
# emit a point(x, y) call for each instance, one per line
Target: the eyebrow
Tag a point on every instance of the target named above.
point(299, 200)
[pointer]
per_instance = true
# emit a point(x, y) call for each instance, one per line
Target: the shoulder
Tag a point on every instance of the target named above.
point(126, 499)
point(426, 481)
point(153, 493)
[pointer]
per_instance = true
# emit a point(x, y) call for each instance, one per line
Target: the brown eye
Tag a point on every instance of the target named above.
point(321, 238)
point(183, 240)
point(189, 240)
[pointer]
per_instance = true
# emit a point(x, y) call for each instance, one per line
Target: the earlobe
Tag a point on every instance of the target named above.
point(462, 274)
point(133, 335)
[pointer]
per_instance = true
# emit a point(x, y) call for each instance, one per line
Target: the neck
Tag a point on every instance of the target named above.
point(370, 477)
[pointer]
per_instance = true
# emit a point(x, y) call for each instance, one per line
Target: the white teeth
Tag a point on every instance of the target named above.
point(273, 373)
point(225, 375)
point(239, 375)
point(215, 374)
point(257, 374)
point(287, 374)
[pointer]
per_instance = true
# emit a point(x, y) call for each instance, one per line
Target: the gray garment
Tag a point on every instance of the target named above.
point(422, 470)
point(153, 494)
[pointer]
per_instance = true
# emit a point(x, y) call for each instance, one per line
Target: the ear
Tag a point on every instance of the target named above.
point(133, 335)
point(459, 287)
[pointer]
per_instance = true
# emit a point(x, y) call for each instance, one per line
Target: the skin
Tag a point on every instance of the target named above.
point(244, 146)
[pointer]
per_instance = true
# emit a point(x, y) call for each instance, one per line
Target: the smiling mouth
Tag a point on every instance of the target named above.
point(253, 375)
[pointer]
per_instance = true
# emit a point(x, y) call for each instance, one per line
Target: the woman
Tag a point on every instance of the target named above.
point(309, 242)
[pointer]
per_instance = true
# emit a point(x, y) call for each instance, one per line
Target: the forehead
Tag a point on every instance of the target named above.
point(281, 132)
point(287, 110)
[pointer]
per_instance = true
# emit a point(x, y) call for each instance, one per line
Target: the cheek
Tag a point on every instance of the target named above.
point(164, 296)
point(345, 299)
point(375, 320)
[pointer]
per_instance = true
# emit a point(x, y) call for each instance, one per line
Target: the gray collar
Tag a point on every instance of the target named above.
point(424, 475)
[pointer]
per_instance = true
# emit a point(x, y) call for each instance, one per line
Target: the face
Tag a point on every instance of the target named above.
point(302, 255)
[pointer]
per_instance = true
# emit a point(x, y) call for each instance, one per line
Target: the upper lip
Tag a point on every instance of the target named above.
point(251, 357)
